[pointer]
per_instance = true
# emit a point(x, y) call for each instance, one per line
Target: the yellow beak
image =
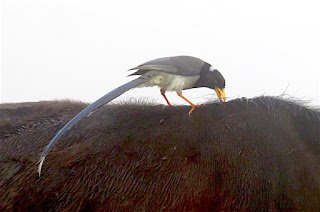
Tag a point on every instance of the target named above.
point(221, 94)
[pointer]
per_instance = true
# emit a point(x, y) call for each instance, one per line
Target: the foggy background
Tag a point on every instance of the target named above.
point(82, 49)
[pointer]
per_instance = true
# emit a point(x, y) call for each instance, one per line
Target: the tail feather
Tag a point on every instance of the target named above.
point(88, 111)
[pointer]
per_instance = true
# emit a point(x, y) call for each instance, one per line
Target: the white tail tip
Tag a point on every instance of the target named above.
point(40, 165)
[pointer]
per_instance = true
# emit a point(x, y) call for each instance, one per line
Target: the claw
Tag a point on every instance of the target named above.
point(192, 109)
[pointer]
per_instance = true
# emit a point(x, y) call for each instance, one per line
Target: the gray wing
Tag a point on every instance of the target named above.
point(88, 110)
point(180, 65)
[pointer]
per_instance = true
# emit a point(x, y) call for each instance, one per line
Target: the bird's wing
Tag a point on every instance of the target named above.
point(180, 65)
point(88, 110)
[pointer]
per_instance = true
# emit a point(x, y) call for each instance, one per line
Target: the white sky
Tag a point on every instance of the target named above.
point(82, 49)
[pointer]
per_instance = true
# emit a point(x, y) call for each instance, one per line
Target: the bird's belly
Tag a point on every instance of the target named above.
point(179, 83)
point(171, 82)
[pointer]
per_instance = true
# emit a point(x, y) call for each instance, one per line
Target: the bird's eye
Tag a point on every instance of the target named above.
point(215, 82)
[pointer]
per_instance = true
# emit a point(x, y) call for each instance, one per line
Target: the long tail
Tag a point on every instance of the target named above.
point(87, 111)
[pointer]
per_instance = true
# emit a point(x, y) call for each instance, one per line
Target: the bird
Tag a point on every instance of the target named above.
point(175, 73)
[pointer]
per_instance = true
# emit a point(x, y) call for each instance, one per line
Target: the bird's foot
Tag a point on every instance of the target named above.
point(192, 109)
point(166, 106)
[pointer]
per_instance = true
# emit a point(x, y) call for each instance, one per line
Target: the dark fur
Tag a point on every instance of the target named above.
point(247, 154)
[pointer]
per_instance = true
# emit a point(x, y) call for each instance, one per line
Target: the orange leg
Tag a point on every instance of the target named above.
point(193, 105)
point(163, 94)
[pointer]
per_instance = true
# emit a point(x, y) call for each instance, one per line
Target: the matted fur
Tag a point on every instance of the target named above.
point(246, 154)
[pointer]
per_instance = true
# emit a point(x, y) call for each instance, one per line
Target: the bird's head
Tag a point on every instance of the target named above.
point(212, 78)
point(217, 82)
point(219, 85)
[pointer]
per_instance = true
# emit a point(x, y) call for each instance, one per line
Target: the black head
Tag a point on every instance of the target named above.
point(216, 79)
point(212, 78)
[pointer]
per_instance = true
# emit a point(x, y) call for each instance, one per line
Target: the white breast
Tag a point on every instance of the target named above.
point(171, 82)
point(180, 83)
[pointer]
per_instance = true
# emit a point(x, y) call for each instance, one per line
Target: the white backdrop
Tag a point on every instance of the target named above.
point(82, 49)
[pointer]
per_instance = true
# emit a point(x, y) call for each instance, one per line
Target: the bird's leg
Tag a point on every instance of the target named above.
point(164, 95)
point(193, 105)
